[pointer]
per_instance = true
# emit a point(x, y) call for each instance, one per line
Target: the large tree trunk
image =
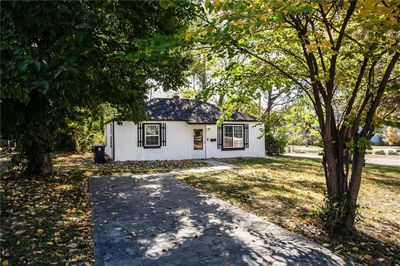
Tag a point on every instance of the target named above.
point(40, 161)
point(37, 135)
point(355, 182)
point(342, 193)
point(43, 166)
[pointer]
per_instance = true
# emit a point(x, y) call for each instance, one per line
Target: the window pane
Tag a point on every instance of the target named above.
point(238, 132)
point(228, 131)
point(228, 143)
point(151, 129)
point(238, 137)
point(198, 144)
point(228, 136)
point(152, 140)
point(198, 139)
point(198, 133)
point(238, 142)
point(152, 135)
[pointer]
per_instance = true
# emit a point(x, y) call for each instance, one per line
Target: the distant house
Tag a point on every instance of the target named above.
point(184, 129)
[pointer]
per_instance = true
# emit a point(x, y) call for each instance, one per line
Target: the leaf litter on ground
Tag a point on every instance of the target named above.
point(47, 221)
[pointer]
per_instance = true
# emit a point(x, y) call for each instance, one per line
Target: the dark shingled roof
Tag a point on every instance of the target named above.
point(191, 111)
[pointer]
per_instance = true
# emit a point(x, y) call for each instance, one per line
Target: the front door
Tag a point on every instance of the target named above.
point(198, 147)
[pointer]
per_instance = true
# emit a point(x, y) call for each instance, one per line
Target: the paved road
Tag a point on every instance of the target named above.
point(158, 220)
point(371, 160)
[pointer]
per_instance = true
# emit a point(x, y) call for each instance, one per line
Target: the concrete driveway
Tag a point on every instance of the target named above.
point(158, 220)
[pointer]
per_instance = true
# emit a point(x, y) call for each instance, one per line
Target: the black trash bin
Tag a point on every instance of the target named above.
point(99, 153)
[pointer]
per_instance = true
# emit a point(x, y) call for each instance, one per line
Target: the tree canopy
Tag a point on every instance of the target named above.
point(59, 56)
point(342, 55)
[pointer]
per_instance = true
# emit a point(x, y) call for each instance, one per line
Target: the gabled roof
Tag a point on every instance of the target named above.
point(191, 111)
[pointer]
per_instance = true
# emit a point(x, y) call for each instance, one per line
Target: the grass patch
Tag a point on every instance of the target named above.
point(289, 191)
point(47, 221)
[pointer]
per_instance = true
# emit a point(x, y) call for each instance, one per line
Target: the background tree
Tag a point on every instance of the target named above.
point(60, 56)
point(301, 123)
point(392, 136)
point(84, 127)
point(341, 54)
point(389, 110)
point(266, 93)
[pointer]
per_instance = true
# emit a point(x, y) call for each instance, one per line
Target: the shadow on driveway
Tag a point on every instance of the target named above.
point(157, 220)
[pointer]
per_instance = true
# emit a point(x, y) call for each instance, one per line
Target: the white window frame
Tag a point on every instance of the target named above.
point(233, 147)
point(145, 135)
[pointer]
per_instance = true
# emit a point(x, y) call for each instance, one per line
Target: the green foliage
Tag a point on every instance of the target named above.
point(287, 36)
point(189, 93)
point(198, 74)
point(60, 57)
point(342, 55)
point(333, 214)
point(86, 127)
point(275, 145)
point(364, 144)
point(301, 123)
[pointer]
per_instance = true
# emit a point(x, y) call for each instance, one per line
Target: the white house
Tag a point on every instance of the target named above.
point(184, 129)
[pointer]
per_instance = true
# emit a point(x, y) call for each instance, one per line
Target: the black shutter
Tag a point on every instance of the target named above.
point(219, 137)
point(111, 134)
point(140, 135)
point(163, 134)
point(246, 135)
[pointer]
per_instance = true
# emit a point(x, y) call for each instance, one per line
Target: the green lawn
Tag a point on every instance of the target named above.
point(47, 221)
point(289, 191)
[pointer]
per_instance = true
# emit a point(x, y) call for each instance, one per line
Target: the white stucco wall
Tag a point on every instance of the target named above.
point(179, 143)
point(256, 145)
point(177, 136)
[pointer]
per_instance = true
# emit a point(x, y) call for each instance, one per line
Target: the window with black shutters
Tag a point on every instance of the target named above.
point(233, 137)
point(151, 135)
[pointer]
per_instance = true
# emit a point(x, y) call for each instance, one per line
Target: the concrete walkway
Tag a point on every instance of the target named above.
point(158, 220)
point(370, 160)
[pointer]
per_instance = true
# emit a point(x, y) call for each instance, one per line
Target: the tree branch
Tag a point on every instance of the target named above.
point(336, 48)
point(356, 88)
point(380, 91)
point(244, 49)
point(326, 23)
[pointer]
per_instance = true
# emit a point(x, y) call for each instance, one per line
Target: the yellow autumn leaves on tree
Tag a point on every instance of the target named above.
point(386, 11)
point(392, 136)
